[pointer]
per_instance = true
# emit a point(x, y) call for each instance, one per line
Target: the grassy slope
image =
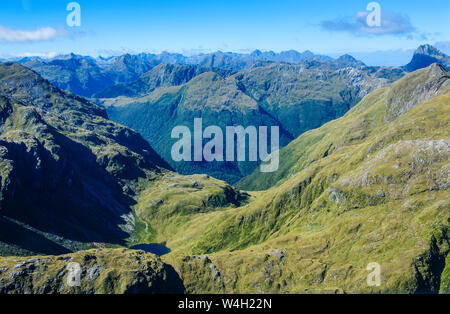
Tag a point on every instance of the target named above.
point(69, 175)
point(166, 207)
point(363, 191)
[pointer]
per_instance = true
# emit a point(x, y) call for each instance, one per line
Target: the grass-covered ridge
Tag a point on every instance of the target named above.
point(361, 190)
point(167, 207)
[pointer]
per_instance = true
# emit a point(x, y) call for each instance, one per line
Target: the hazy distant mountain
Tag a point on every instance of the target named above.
point(426, 55)
point(128, 68)
point(78, 74)
point(237, 61)
point(86, 76)
point(349, 61)
point(163, 75)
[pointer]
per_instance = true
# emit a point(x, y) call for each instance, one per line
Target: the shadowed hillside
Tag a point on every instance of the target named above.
point(69, 176)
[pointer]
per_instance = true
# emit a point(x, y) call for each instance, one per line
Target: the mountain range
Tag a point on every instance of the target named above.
point(86, 75)
point(296, 98)
point(155, 93)
point(363, 178)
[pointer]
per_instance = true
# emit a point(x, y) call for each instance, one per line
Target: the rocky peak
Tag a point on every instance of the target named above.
point(416, 88)
point(256, 53)
point(426, 55)
point(430, 51)
point(348, 60)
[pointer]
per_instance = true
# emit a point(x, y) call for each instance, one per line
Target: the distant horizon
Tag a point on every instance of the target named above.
point(106, 28)
point(401, 57)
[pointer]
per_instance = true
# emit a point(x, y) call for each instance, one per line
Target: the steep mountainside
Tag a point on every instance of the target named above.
point(404, 95)
point(366, 188)
point(68, 175)
point(57, 148)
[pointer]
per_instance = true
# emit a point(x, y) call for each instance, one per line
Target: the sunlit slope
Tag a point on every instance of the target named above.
point(356, 127)
point(369, 187)
point(169, 210)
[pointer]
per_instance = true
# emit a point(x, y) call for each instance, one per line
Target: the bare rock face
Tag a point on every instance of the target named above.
point(418, 88)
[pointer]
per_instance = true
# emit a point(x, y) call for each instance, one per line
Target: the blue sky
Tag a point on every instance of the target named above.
point(39, 27)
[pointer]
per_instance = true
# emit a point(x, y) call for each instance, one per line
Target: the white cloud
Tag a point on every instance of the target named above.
point(44, 55)
point(391, 24)
point(39, 34)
